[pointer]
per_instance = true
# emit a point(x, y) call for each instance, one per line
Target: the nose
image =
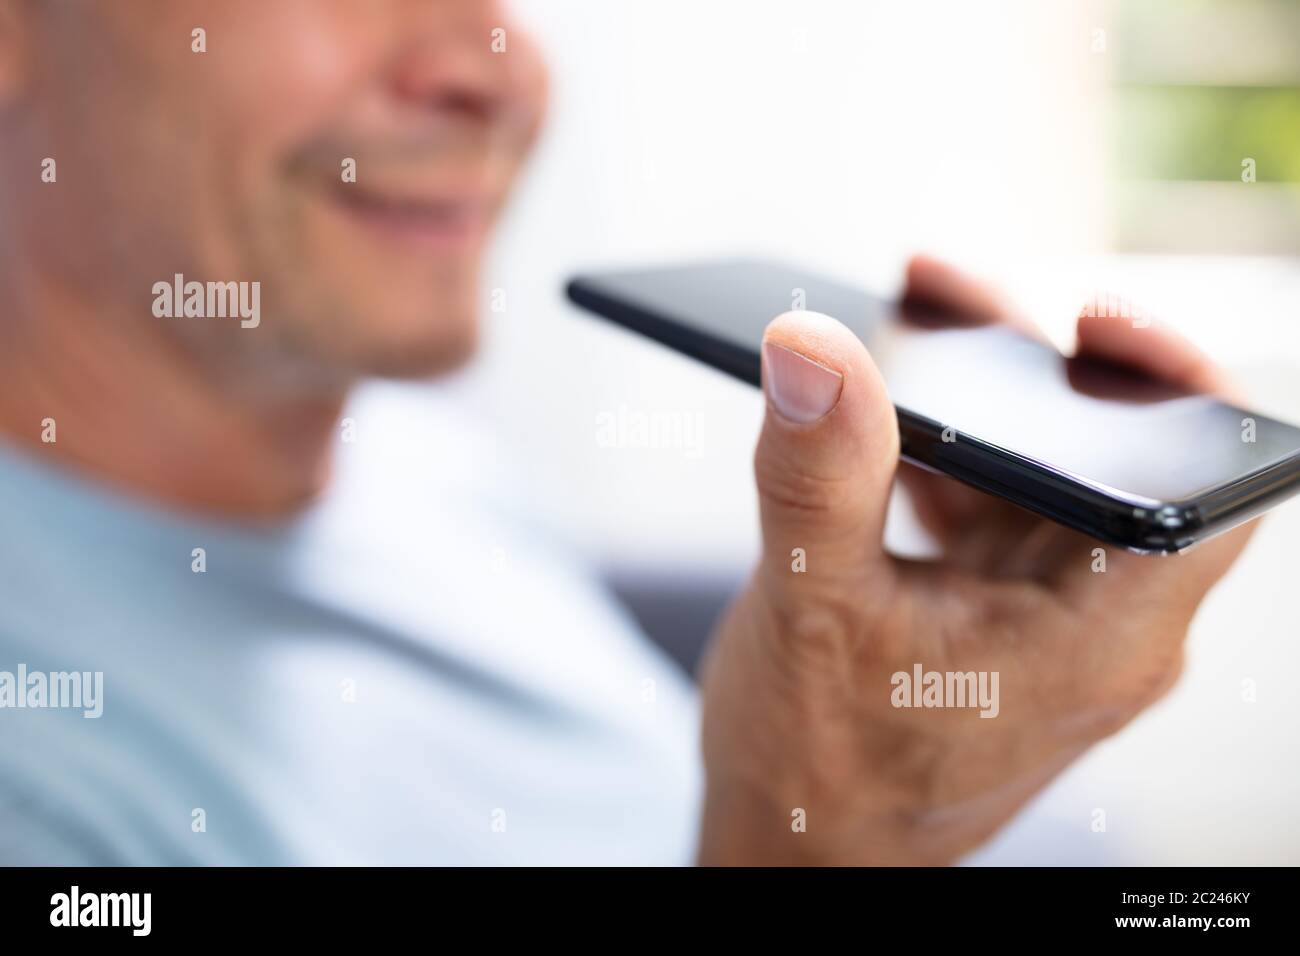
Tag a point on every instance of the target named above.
point(459, 61)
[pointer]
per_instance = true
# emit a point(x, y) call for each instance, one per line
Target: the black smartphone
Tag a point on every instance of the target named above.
point(1097, 447)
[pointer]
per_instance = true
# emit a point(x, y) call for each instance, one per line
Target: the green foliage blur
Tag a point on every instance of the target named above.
point(1204, 132)
point(1205, 125)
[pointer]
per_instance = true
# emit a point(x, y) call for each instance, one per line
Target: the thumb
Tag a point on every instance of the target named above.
point(825, 461)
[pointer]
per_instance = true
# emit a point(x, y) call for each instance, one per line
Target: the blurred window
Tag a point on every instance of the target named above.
point(1206, 135)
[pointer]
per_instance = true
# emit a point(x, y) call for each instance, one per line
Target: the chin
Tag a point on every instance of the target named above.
point(370, 333)
point(421, 357)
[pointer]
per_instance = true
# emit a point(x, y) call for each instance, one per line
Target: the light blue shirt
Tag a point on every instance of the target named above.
point(411, 672)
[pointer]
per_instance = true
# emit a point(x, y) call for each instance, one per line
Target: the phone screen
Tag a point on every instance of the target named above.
point(1100, 424)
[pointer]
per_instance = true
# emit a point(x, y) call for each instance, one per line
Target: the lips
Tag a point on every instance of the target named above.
point(424, 219)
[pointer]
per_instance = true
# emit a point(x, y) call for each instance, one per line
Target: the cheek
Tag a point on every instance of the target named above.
point(531, 82)
point(275, 85)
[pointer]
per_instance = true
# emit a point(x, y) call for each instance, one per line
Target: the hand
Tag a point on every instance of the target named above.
point(807, 758)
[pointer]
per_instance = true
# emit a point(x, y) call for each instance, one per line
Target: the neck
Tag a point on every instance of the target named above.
point(134, 406)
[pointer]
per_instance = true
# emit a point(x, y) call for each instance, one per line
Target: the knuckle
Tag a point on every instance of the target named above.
point(1161, 678)
point(794, 489)
point(810, 623)
point(810, 631)
point(1134, 685)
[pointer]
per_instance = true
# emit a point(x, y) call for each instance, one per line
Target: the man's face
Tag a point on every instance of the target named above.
point(235, 164)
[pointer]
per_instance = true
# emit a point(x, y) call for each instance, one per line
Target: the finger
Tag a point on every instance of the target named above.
point(1133, 585)
point(972, 527)
point(1151, 348)
point(926, 493)
point(825, 460)
point(938, 285)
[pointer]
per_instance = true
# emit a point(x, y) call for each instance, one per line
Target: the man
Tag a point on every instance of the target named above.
point(217, 219)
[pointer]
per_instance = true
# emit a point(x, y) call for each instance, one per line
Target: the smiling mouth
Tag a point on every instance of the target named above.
point(425, 221)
